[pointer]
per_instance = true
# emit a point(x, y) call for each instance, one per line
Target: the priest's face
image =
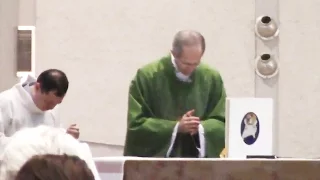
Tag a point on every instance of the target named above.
point(45, 100)
point(189, 59)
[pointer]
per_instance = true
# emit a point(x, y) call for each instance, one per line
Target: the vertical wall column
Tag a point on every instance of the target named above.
point(26, 38)
point(13, 13)
point(9, 17)
point(27, 12)
point(267, 56)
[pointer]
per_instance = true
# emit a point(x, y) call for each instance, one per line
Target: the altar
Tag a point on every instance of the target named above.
point(131, 168)
point(250, 131)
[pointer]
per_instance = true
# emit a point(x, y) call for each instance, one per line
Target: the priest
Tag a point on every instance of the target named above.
point(33, 102)
point(176, 104)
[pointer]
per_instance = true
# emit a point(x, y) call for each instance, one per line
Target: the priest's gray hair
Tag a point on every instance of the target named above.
point(187, 38)
point(40, 140)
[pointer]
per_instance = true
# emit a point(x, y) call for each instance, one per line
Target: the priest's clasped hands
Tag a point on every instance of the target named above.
point(189, 123)
point(73, 130)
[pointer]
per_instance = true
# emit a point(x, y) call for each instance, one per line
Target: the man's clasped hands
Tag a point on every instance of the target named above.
point(189, 123)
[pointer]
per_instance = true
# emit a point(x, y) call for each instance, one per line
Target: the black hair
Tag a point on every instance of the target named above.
point(53, 80)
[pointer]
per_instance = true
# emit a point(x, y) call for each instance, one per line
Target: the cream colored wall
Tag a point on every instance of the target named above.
point(299, 82)
point(100, 45)
point(8, 21)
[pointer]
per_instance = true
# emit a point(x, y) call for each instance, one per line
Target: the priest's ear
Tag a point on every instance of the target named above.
point(37, 86)
point(175, 54)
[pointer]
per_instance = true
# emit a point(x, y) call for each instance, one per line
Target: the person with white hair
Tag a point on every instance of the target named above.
point(41, 140)
point(33, 102)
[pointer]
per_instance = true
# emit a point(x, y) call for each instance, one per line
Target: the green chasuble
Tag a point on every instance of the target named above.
point(158, 99)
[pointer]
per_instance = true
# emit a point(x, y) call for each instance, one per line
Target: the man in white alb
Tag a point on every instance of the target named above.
point(32, 103)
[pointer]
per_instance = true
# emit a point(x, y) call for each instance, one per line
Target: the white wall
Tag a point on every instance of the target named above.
point(100, 45)
point(299, 91)
point(8, 22)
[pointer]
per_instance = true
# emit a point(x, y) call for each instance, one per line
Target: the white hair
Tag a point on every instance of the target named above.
point(40, 140)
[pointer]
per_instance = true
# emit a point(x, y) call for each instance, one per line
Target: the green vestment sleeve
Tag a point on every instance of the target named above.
point(147, 136)
point(214, 124)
